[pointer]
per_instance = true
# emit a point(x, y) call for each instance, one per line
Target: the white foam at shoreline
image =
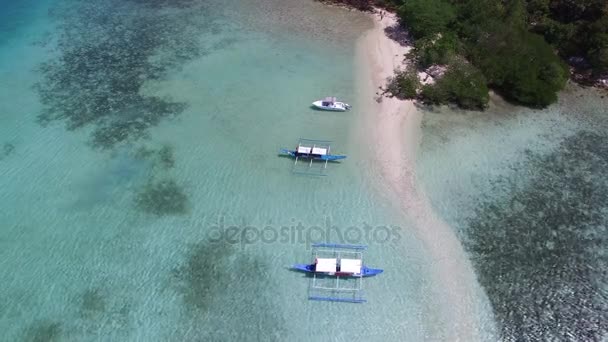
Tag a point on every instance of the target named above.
point(392, 129)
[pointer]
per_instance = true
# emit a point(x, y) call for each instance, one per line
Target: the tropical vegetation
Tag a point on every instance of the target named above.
point(519, 48)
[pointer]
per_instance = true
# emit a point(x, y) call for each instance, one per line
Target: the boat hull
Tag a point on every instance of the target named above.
point(327, 157)
point(335, 107)
point(310, 268)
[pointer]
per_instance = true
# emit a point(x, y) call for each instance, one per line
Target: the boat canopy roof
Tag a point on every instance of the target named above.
point(331, 99)
point(350, 265)
point(303, 149)
point(322, 151)
point(346, 265)
point(319, 150)
point(326, 265)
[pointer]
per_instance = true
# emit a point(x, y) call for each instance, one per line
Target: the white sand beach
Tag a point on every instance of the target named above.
point(392, 127)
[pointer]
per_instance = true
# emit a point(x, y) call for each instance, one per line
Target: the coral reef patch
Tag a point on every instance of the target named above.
point(7, 149)
point(162, 197)
point(217, 276)
point(43, 331)
point(105, 53)
point(540, 253)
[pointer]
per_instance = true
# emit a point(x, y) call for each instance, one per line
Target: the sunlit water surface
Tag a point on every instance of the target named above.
point(135, 134)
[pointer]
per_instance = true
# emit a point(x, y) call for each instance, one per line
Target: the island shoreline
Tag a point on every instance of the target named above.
point(393, 128)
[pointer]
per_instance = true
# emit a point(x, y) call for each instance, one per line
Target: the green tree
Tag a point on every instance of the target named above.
point(476, 17)
point(427, 18)
point(568, 11)
point(404, 84)
point(599, 60)
point(597, 45)
point(520, 64)
point(462, 84)
point(517, 16)
point(537, 9)
point(558, 34)
point(499, 38)
point(440, 50)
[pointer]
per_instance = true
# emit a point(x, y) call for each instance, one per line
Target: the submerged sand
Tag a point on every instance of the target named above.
point(392, 128)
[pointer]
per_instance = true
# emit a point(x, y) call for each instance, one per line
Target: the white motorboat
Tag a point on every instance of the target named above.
point(330, 103)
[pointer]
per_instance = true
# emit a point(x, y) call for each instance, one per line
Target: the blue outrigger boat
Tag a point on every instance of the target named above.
point(312, 150)
point(337, 272)
point(314, 153)
point(341, 268)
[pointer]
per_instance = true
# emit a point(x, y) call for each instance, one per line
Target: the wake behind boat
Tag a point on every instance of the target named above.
point(330, 103)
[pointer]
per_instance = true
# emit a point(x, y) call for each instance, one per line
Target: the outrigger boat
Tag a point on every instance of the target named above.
point(338, 267)
point(312, 150)
point(337, 272)
point(330, 103)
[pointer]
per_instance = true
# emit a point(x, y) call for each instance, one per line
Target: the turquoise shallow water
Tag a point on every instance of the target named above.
point(134, 134)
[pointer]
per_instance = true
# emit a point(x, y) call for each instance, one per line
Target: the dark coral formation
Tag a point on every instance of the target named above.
point(163, 157)
point(7, 149)
point(92, 303)
point(107, 50)
point(162, 197)
point(541, 254)
point(96, 307)
point(166, 157)
point(217, 277)
point(204, 274)
point(43, 331)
